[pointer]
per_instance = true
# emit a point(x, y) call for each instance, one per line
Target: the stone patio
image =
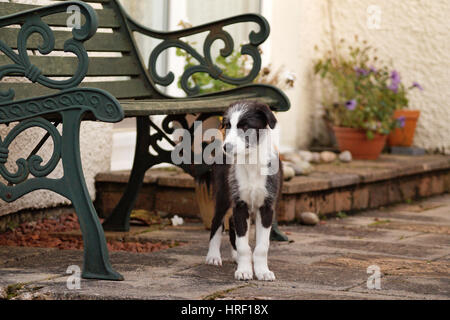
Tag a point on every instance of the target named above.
point(409, 242)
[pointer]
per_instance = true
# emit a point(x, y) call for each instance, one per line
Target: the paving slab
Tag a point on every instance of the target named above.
point(329, 261)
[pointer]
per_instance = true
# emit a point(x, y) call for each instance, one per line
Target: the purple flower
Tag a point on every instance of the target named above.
point(395, 81)
point(401, 121)
point(372, 69)
point(361, 71)
point(395, 76)
point(351, 104)
point(415, 84)
point(393, 86)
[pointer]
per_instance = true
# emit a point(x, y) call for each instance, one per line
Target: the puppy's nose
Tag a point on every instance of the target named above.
point(228, 148)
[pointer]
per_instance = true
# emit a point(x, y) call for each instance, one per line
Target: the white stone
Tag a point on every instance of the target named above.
point(301, 168)
point(292, 157)
point(345, 156)
point(288, 171)
point(3, 294)
point(309, 218)
point(177, 221)
point(306, 155)
point(327, 156)
point(315, 157)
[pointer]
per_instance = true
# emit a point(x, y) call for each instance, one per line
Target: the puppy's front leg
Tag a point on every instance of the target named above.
point(241, 216)
point(263, 225)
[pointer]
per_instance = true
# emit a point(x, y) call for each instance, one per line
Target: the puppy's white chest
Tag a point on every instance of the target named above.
point(252, 185)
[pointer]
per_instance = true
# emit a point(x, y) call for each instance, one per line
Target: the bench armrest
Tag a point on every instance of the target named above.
point(206, 63)
point(31, 23)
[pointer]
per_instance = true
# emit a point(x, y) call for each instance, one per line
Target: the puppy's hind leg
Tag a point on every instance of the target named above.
point(222, 204)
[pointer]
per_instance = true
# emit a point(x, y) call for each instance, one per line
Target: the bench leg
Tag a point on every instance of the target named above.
point(96, 258)
point(119, 220)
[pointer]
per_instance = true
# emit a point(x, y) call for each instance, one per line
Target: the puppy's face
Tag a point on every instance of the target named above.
point(245, 124)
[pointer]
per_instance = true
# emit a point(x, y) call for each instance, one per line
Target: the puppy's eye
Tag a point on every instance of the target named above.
point(243, 127)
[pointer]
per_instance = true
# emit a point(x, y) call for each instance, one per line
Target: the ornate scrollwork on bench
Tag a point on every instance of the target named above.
point(33, 163)
point(168, 126)
point(32, 24)
point(104, 106)
point(206, 63)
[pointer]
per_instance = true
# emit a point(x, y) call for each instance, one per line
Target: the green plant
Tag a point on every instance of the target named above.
point(341, 215)
point(233, 66)
point(364, 92)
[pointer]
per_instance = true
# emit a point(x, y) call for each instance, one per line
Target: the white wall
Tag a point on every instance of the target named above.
point(412, 34)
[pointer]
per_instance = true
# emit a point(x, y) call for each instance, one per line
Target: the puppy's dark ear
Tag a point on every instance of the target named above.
point(270, 117)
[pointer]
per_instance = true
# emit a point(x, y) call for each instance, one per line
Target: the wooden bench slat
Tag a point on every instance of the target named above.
point(101, 42)
point(125, 89)
point(181, 106)
point(98, 66)
point(106, 17)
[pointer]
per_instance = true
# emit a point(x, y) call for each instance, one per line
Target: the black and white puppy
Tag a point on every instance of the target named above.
point(250, 184)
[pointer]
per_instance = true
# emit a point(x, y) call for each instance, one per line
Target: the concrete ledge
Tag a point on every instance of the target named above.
point(331, 188)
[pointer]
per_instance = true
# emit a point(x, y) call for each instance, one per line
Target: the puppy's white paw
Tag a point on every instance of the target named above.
point(243, 274)
point(265, 275)
point(214, 260)
point(234, 255)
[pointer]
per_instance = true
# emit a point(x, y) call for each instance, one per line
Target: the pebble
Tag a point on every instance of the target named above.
point(315, 157)
point(302, 168)
point(292, 157)
point(309, 218)
point(3, 294)
point(306, 155)
point(177, 221)
point(288, 171)
point(345, 156)
point(327, 156)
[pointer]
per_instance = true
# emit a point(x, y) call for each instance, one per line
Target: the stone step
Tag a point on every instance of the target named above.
point(329, 189)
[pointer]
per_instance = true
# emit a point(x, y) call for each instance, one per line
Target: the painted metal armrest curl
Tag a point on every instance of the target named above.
point(29, 112)
point(31, 23)
point(206, 64)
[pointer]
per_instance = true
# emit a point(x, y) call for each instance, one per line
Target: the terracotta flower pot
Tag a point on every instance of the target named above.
point(404, 136)
point(355, 141)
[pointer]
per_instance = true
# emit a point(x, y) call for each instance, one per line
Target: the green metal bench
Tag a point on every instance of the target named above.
point(47, 101)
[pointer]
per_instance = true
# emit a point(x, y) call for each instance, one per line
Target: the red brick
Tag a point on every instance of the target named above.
point(306, 202)
point(343, 200)
point(378, 195)
point(325, 202)
point(447, 182)
point(437, 184)
point(425, 186)
point(286, 209)
point(394, 192)
point(408, 188)
point(177, 201)
point(360, 198)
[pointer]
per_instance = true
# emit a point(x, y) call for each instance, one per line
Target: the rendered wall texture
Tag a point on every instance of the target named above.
point(413, 35)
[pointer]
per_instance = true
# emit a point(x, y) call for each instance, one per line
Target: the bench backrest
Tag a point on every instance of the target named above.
point(112, 51)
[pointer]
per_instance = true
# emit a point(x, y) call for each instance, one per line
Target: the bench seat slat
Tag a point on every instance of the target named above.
point(98, 66)
point(182, 106)
point(126, 89)
point(101, 42)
